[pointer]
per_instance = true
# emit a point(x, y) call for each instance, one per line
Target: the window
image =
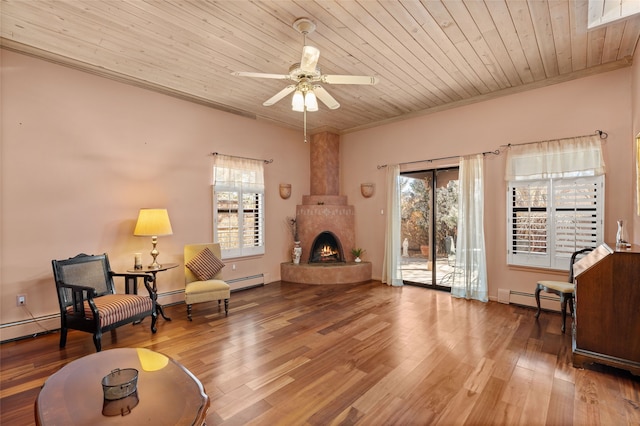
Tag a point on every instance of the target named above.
point(607, 12)
point(238, 206)
point(550, 219)
point(555, 201)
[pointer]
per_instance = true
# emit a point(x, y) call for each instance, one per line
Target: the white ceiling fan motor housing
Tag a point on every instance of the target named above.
point(304, 26)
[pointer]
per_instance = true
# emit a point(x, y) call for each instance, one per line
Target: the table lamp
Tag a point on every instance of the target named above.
point(153, 223)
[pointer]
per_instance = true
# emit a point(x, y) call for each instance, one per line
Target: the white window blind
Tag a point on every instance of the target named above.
point(577, 214)
point(238, 210)
point(528, 222)
point(545, 230)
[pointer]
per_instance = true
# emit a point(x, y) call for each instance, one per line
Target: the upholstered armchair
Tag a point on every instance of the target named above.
point(203, 276)
point(88, 300)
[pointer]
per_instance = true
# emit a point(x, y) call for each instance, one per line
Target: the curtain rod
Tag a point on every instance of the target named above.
point(603, 135)
point(244, 158)
point(496, 152)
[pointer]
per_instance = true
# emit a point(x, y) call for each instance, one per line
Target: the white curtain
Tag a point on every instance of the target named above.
point(470, 273)
point(391, 266)
point(233, 173)
point(571, 157)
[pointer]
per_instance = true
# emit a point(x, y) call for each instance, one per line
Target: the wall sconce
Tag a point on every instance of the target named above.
point(285, 190)
point(367, 189)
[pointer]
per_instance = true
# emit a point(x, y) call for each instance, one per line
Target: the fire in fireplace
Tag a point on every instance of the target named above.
point(326, 248)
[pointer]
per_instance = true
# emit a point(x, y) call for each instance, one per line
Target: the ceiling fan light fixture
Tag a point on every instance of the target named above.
point(305, 75)
point(310, 101)
point(297, 101)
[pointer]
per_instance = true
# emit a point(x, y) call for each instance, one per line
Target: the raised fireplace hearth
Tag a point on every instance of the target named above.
point(326, 273)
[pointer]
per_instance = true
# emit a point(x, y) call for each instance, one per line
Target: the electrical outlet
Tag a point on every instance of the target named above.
point(233, 267)
point(21, 300)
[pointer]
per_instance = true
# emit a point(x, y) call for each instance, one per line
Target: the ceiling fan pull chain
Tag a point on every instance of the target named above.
point(304, 119)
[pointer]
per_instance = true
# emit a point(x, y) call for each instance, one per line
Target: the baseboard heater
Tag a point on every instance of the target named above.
point(528, 299)
point(52, 319)
point(532, 295)
point(237, 284)
point(30, 320)
point(245, 283)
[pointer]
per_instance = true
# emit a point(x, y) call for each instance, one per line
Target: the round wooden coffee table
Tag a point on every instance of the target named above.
point(167, 393)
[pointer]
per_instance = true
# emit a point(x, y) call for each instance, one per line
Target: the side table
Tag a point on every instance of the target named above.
point(153, 271)
point(167, 393)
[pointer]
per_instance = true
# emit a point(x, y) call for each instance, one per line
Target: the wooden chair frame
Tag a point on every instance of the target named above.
point(564, 290)
point(83, 279)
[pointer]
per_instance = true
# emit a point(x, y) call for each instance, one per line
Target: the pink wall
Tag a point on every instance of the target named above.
point(569, 109)
point(82, 154)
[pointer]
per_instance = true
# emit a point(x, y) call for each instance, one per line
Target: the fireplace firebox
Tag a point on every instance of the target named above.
point(326, 248)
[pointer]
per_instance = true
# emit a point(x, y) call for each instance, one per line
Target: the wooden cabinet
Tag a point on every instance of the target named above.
point(606, 328)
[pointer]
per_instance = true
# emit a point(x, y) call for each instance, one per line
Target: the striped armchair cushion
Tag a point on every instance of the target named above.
point(117, 307)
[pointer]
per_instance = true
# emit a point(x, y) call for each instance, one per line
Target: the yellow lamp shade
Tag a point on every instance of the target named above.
point(153, 222)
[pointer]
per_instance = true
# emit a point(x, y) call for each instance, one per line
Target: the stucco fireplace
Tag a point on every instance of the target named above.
point(326, 224)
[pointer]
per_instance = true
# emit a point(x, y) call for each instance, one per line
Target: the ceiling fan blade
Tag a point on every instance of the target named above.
point(325, 97)
point(349, 79)
point(261, 75)
point(281, 94)
point(310, 56)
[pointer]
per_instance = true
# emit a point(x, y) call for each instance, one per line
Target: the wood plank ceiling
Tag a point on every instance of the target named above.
point(428, 55)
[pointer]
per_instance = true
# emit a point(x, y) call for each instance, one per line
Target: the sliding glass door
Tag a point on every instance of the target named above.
point(429, 212)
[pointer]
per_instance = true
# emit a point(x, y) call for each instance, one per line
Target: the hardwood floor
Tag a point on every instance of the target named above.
point(366, 354)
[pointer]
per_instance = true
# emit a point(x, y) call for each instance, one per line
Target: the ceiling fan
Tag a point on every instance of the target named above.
point(306, 77)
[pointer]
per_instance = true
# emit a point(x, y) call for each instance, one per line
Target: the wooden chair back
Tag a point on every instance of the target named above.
point(83, 270)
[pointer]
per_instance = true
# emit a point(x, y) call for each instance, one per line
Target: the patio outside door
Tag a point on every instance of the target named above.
point(429, 211)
